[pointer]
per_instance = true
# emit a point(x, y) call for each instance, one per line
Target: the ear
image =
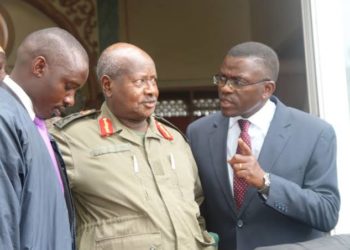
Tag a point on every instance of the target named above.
point(269, 89)
point(39, 66)
point(106, 84)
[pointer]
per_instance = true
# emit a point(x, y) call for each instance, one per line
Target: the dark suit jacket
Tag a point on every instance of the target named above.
point(336, 242)
point(300, 153)
point(33, 211)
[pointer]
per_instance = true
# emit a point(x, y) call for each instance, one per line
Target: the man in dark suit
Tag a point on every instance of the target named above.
point(274, 180)
point(35, 206)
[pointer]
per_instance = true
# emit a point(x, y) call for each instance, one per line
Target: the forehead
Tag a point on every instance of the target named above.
point(242, 64)
point(141, 67)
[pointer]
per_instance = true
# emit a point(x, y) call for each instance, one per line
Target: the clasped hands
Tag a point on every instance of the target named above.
point(246, 166)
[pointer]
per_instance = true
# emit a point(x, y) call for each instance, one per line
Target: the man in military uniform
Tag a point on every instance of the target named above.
point(134, 180)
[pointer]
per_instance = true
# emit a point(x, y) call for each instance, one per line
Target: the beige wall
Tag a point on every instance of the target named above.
point(25, 19)
point(187, 39)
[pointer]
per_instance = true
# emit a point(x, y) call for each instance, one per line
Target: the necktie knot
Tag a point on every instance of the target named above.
point(39, 123)
point(243, 125)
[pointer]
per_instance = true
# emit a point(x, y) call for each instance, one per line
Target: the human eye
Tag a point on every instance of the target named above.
point(69, 86)
point(139, 82)
point(239, 82)
point(153, 81)
point(222, 78)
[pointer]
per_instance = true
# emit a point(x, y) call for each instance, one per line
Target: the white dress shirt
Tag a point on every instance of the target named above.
point(22, 96)
point(259, 125)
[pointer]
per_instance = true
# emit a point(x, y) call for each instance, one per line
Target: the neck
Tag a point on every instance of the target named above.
point(135, 125)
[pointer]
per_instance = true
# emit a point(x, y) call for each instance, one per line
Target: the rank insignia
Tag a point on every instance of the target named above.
point(106, 128)
point(164, 132)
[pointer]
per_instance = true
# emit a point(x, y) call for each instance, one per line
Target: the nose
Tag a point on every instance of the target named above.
point(227, 88)
point(69, 99)
point(151, 88)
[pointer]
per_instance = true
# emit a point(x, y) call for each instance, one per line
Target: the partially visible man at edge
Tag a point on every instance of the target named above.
point(268, 171)
point(2, 63)
point(134, 180)
point(35, 205)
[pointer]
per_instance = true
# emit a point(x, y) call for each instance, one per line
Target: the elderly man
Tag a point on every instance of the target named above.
point(133, 179)
point(35, 207)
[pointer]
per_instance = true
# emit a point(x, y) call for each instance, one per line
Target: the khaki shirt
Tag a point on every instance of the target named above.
point(131, 191)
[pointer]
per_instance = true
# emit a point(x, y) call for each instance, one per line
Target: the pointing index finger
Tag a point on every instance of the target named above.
point(244, 148)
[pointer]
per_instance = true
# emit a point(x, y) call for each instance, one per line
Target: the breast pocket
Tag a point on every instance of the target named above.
point(128, 232)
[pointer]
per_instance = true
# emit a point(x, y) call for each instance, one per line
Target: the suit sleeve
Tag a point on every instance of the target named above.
point(11, 179)
point(316, 202)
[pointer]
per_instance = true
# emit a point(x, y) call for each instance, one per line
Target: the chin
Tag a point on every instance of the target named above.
point(228, 113)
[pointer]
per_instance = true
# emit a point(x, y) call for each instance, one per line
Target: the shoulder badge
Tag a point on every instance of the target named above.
point(106, 127)
point(168, 123)
point(61, 123)
point(164, 132)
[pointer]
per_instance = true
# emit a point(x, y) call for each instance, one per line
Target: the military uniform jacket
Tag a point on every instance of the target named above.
point(130, 191)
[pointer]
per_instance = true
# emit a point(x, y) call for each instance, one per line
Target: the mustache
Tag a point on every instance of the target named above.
point(147, 100)
point(226, 98)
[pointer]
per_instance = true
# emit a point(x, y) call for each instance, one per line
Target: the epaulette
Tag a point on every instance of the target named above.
point(60, 124)
point(168, 123)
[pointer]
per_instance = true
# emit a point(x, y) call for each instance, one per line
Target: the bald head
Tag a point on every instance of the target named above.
point(117, 59)
point(50, 66)
point(55, 44)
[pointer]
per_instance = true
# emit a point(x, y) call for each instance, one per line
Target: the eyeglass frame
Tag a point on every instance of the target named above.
point(235, 82)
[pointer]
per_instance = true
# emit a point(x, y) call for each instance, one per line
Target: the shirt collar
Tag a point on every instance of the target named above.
point(21, 94)
point(126, 132)
point(260, 119)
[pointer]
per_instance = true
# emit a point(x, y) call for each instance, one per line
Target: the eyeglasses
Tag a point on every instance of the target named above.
point(222, 80)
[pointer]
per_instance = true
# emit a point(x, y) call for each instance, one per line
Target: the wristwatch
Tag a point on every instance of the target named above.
point(264, 191)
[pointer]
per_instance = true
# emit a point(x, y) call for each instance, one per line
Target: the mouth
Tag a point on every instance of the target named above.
point(224, 102)
point(150, 104)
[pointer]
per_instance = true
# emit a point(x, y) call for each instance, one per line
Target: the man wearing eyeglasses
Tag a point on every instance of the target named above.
point(134, 180)
point(268, 171)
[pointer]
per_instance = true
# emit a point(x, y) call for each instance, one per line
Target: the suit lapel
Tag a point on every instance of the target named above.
point(217, 144)
point(274, 143)
point(276, 138)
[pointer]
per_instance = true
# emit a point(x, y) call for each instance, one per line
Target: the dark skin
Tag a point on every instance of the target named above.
point(129, 100)
point(245, 101)
point(51, 86)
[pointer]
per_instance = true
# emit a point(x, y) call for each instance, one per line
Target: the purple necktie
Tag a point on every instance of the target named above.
point(239, 184)
point(40, 124)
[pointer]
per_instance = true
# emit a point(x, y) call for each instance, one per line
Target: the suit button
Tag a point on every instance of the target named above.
point(240, 223)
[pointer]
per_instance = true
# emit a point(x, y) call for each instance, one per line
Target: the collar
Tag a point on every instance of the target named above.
point(260, 119)
point(109, 124)
point(21, 94)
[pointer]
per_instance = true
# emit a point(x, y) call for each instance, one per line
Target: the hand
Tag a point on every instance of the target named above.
point(246, 166)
